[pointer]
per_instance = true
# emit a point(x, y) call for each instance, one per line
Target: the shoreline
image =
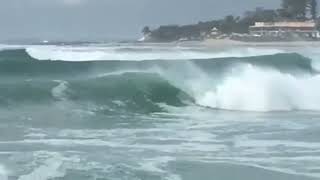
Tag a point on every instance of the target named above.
point(220, 44)
point(225, 43)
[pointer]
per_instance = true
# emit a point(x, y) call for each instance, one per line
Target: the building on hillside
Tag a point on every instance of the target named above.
point(215, 32)
point(307, 29)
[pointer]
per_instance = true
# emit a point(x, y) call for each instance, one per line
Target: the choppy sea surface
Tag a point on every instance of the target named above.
point(127, 111)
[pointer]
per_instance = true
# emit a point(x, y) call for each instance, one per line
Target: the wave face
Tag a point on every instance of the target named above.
point(276, 82)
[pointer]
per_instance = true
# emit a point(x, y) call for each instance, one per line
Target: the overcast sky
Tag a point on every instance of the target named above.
point(109, 19)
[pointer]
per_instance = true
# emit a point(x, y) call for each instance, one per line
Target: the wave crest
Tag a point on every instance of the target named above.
point(262, 83)
point(256, 89)
point(139, 53)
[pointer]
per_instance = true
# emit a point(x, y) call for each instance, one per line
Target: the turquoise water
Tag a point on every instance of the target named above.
point(251, 115)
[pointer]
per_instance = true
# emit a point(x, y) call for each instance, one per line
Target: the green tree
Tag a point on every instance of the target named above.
point(146, 30)
point(312, 5)
point(295, 9)
point(228, 24)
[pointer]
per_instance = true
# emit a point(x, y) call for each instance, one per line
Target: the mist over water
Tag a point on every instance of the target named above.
point(151, 111)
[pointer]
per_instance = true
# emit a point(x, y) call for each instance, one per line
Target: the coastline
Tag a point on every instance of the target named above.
point(220, 44)
point(225, 43)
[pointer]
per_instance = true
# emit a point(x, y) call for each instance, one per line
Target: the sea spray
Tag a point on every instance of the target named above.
point(257, 89)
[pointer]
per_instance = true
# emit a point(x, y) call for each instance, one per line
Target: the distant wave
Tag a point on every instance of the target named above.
point(139, 53)
point(18, 62)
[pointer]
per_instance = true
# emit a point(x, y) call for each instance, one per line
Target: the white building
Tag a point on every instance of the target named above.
point(301, 29)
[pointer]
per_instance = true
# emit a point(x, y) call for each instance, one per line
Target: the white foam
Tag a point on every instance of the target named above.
point(136, 53)
point(256, 89)
point(155, 164)
point(3, 173)
point(50, 169)
point(244, 141)
point(58, 92)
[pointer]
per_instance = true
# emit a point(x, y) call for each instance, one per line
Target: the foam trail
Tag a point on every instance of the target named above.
point(65, 53)
point(256, 89)
point(58, 92)
point(49, 170)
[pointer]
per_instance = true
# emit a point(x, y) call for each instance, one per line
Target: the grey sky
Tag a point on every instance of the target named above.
point(103, 19)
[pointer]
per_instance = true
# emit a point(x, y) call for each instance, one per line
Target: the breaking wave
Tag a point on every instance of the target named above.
point(131, 91)
point(139, 53)
point(280, 82)
point(256, 89)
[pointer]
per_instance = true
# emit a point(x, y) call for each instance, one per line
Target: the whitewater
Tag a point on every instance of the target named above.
point(159, 111)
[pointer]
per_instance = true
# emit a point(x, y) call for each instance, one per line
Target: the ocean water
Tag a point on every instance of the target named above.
point(159, 112)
